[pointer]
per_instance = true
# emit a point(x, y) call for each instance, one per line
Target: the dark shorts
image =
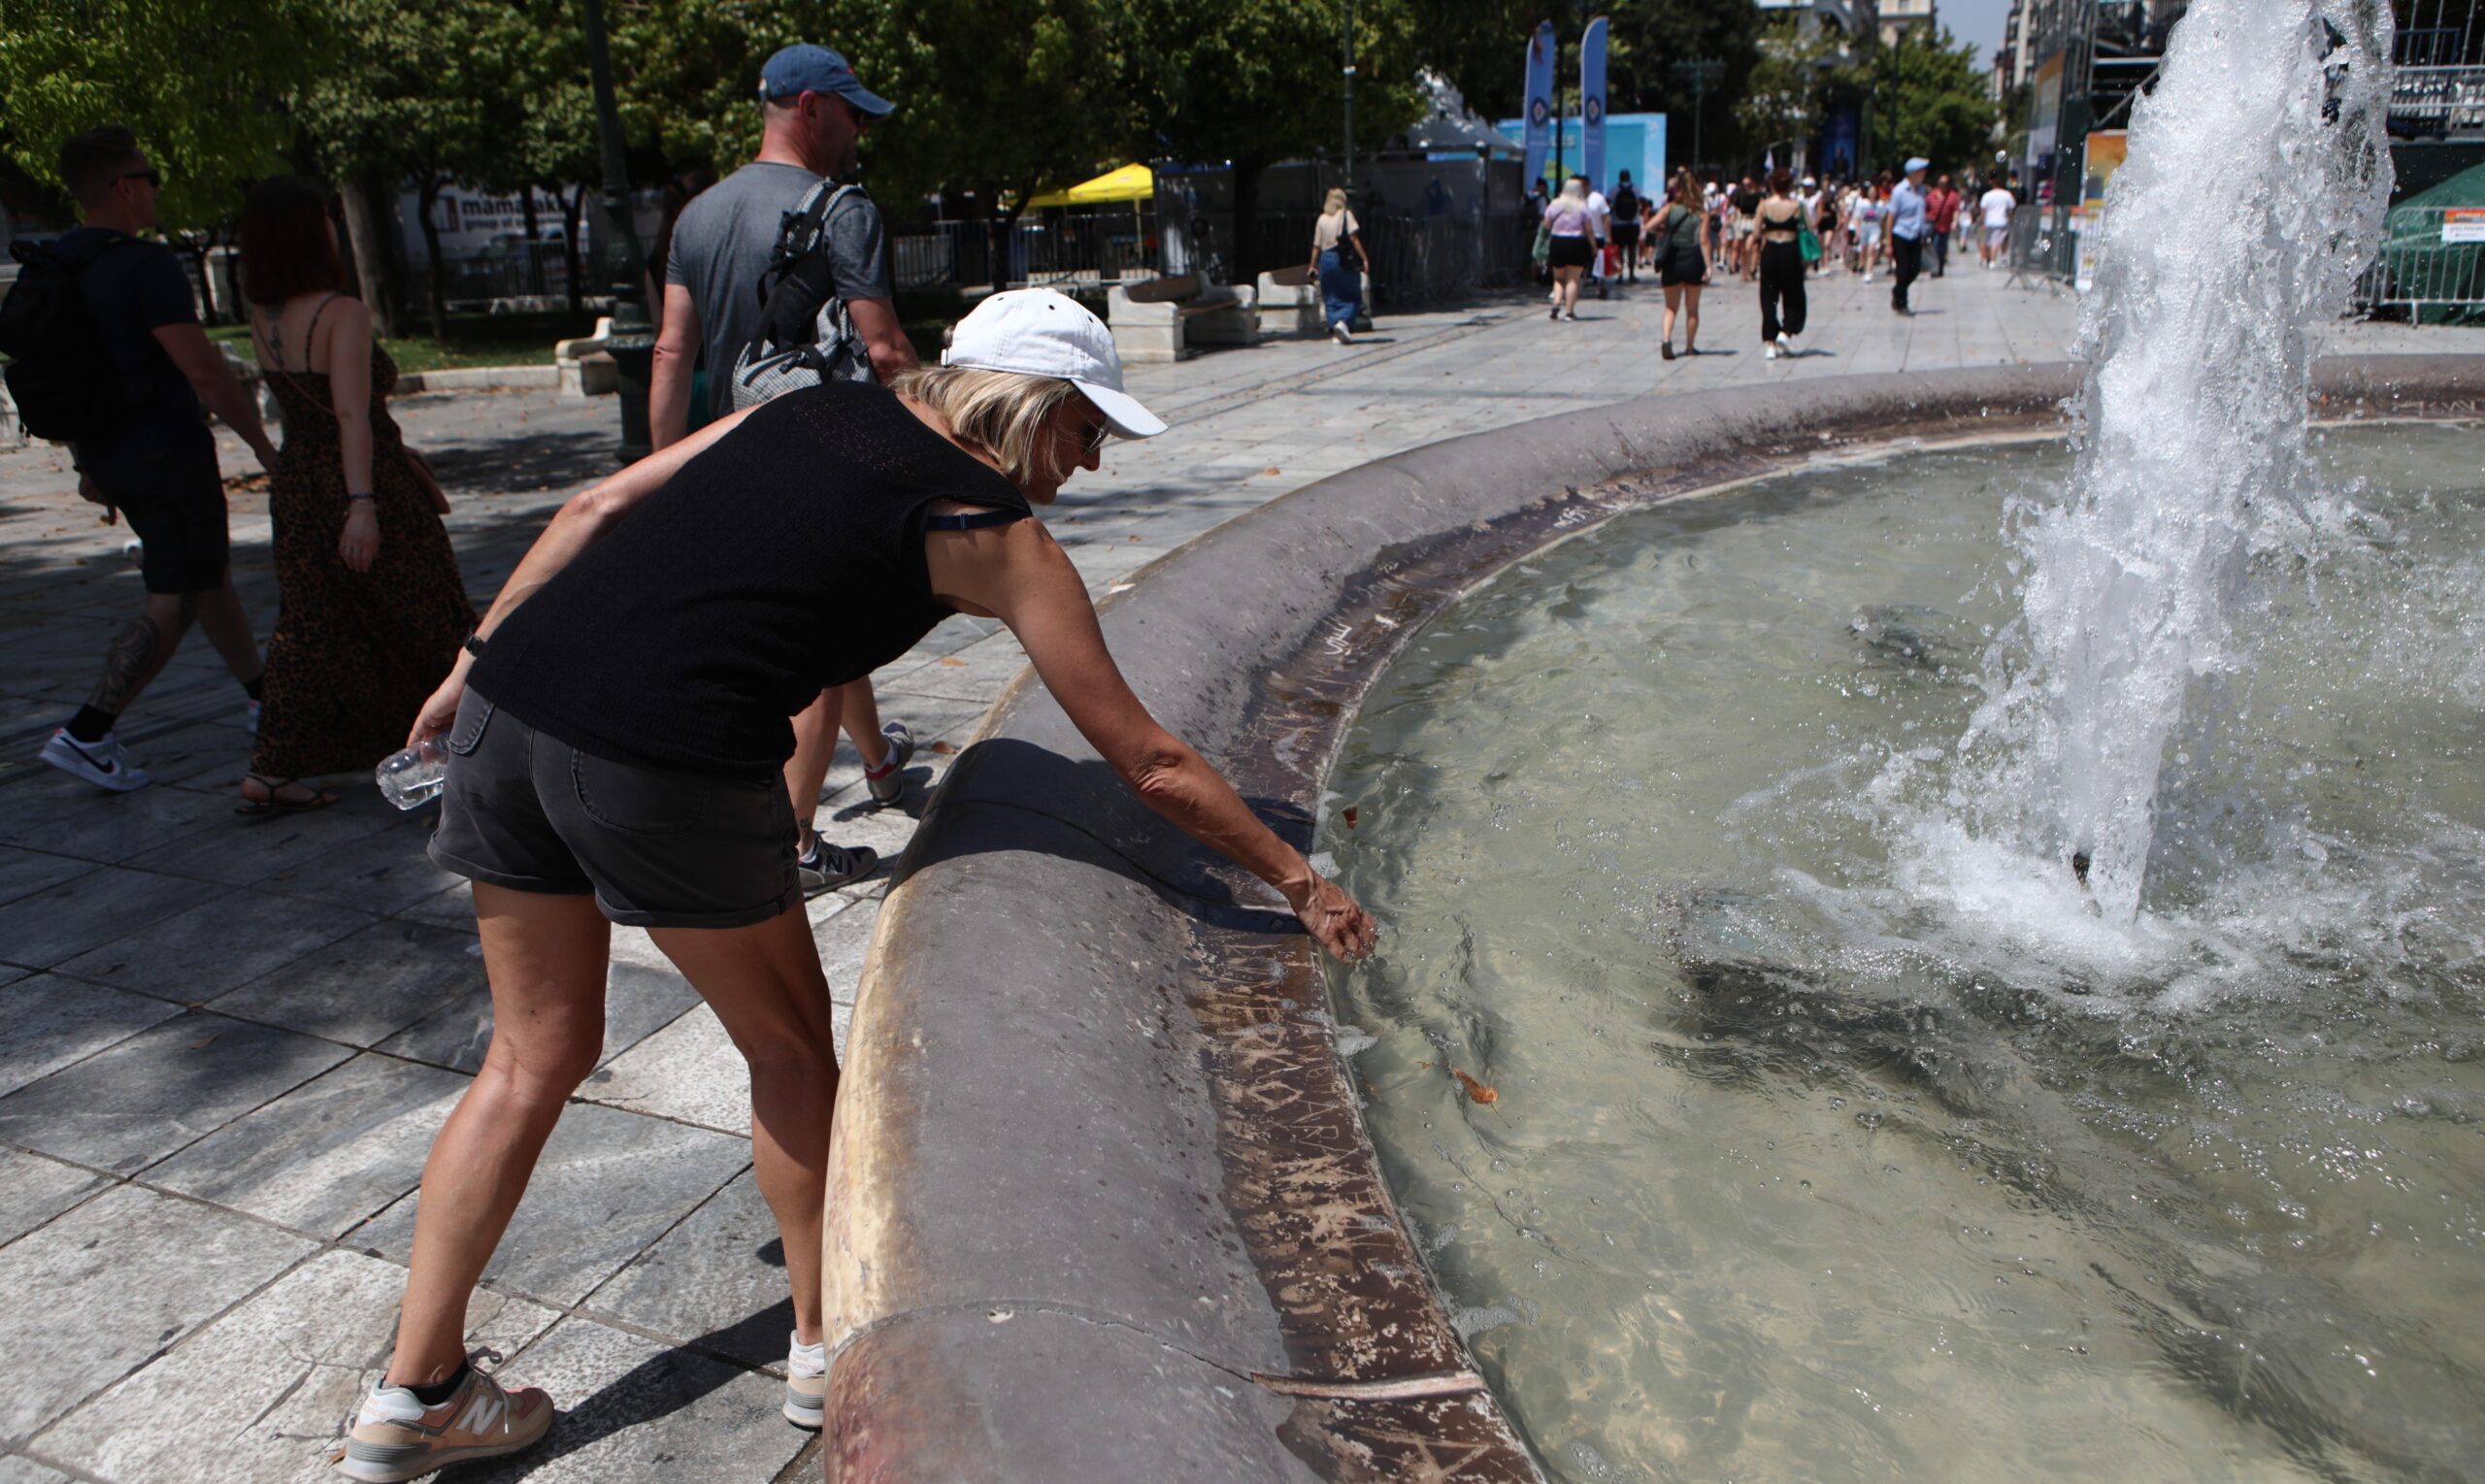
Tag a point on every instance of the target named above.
point(1569, 252)
point(1682, 266)
point(658, 848)
point(1626, 235)
point(162, 476)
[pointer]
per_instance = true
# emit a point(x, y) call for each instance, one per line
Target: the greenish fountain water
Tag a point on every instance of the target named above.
point(1830, 1139)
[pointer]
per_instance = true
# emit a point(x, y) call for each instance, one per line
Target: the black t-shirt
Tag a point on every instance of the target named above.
point(131, 289)
point(785, 558)
point(1746, 202)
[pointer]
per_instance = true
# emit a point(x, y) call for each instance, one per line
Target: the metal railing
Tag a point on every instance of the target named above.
point(525, 271)
point(2419, 275)
point(2449, 100)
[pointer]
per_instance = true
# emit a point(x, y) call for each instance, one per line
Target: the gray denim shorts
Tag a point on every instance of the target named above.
point(658, 848)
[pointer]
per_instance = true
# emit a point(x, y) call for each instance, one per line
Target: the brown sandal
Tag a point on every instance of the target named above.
point(276, 803)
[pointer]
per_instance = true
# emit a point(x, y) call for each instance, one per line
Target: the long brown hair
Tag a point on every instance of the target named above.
point(286, 246)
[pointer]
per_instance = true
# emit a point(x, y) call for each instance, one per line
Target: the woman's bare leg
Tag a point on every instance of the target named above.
point(547, 956)
point(1690, 316)
point(765, 984)
point(814, 744)
point(1674, 305)
point(859, 713)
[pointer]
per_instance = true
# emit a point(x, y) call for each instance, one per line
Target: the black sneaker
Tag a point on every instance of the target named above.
point(825, 867)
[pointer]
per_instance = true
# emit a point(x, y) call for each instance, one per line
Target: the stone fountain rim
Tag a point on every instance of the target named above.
point(1061, 1245)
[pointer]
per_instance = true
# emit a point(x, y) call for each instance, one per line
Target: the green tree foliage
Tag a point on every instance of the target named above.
point(1929, 99)
point(427, 95)
point(1788, 94)
point(202, 82)
point(1650, 36)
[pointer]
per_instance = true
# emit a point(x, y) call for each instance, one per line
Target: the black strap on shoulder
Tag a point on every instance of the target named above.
point(981, 520)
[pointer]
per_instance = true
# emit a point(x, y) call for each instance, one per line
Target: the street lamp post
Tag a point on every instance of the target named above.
point(1699, 74)
point(632, 343)
point(1348, 48)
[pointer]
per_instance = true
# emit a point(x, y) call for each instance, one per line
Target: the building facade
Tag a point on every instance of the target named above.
point(1900, 17)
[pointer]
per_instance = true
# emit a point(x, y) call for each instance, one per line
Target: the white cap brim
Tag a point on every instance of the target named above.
point(1124, 417)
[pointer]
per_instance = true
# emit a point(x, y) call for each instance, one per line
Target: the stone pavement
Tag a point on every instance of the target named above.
point(225, 1043)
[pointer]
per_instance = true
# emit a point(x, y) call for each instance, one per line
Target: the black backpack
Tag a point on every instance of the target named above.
point(1626, 204)
point(805, 336)
point(65, 383)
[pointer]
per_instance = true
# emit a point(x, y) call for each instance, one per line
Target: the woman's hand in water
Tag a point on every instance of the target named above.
point(1343, 928)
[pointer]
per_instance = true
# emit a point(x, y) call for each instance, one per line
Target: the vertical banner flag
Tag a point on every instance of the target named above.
point(1540, 100)
point(1592, 104)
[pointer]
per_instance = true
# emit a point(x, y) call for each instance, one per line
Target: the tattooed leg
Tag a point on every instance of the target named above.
point(141, 649)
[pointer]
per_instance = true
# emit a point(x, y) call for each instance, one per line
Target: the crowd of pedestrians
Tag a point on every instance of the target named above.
point(1769, 229)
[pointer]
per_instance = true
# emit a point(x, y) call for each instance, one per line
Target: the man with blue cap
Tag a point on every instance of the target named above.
point(1909, 220)
point(814, 114)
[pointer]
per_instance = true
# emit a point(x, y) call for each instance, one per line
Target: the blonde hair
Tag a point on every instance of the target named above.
point(1336, 203)
point(1575, 189)
point(1003, 412)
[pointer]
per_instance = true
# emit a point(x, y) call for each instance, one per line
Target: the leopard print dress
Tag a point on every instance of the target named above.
point(355, 654)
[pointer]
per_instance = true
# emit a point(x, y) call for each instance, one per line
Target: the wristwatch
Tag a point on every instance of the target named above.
point(474, 645)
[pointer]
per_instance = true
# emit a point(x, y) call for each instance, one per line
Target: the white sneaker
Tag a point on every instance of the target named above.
point(1341, 333)
point(1786, 346)
point(806, 1384)
point(1769, 351)
point(887, 784)
point(104, 763)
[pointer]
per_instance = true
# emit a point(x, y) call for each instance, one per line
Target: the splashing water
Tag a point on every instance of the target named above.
point(2258, 177)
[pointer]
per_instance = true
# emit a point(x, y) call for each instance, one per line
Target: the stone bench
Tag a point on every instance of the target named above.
point(586, 369)
point(1290, 304)
point(1164, 319)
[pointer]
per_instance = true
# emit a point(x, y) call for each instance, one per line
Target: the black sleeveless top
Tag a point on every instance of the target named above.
point(785, 558)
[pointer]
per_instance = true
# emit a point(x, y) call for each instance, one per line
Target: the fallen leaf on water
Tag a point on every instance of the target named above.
point(1423, 1066)
point(1350, 818)
point(951, 659)
point(1477, 1091)
point(943, 749)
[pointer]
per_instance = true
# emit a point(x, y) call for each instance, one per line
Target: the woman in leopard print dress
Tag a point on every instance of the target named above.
point(371, 607)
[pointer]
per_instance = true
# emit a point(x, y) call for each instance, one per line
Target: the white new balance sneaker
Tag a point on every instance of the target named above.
point(806, 1384)
point(103, 762)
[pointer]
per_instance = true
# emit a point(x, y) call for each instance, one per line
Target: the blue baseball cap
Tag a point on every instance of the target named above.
point(808, 69)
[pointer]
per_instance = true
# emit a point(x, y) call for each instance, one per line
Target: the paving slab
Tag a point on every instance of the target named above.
point(364, 988)
point(120, 1278)
point(384, 876)
point(33, 1190)
point(262, 1395)
point(328, 1155)
point(724, 1265)
point(126, 1107)
point(22, 872)
point(274, 845)
point(194, 956)
point(47, 1022)
point(688, 1071)
point(89, 909)
point(16, 1468)
point(633, 1410)
point(610, 1183)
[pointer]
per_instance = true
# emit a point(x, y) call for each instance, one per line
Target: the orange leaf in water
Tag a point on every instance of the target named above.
point(1350, 818)
point(1477, 1091)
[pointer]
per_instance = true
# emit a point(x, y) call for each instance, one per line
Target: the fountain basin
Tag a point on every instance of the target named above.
point(1101, 1204)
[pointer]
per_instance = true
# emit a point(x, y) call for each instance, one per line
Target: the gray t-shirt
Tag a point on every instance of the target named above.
point(720, 248)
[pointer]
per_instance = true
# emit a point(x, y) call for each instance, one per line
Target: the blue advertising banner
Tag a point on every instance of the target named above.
point(1592, 104)
point(1539, 137)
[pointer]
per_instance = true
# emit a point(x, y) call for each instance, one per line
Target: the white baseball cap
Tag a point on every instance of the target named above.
point(1037, 332)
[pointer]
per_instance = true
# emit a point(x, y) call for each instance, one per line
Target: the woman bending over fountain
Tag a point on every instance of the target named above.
point(617, 758)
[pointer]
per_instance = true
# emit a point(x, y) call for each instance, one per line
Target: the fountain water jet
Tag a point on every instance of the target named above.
point(2257, 181)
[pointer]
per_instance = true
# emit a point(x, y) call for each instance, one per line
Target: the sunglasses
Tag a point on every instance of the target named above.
point(150, 175)
point(1094, 440)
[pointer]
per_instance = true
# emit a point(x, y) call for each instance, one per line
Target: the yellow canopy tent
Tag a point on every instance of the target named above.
point(1131, 182)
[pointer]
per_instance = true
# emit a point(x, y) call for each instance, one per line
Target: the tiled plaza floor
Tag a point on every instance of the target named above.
point(226, 1044)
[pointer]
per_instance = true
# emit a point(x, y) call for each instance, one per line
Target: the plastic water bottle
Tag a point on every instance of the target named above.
point(413, 777)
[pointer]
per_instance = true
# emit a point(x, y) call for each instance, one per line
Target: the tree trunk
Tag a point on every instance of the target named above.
point(1242, 262)
point(534, 259)
point(427, 207)
point(572, 206)
point(370, 249)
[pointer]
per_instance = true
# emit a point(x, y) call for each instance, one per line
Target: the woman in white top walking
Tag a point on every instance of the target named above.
point(1340, 286)
point(1571, 229)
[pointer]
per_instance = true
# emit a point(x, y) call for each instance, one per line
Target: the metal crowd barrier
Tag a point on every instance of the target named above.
point(2417, 272)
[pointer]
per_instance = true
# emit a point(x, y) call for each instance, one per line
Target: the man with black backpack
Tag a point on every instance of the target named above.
point(106, 355)
point(1626, 226)
point(782, 271)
